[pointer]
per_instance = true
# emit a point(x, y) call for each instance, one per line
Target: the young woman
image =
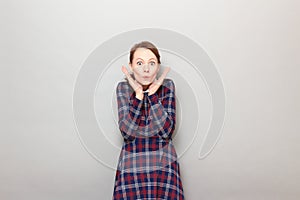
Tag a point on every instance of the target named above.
point(147, 167)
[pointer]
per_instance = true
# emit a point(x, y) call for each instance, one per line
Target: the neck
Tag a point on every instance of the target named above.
point(145, 87)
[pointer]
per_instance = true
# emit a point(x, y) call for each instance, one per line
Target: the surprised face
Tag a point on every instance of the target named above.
point(144, 66)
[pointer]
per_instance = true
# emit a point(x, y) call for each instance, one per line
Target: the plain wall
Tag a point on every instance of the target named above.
point(254, 44)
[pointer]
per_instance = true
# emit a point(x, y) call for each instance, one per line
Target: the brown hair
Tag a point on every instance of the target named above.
point(146, 45)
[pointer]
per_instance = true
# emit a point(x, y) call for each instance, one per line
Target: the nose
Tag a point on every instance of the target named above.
point(146, 68)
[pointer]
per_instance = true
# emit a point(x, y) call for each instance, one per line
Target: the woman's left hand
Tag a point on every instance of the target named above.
point(157, 82)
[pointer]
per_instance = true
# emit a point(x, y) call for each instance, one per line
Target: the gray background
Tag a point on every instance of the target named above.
point(254, 45)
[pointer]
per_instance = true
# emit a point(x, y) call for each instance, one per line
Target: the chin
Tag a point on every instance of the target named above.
point(145, 83)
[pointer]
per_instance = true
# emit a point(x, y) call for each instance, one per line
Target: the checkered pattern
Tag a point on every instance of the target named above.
point(147, 167)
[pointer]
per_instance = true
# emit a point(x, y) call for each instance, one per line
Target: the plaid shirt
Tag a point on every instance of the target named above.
point(147, 167)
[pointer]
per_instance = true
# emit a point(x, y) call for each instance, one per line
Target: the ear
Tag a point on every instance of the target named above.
point(130, 67)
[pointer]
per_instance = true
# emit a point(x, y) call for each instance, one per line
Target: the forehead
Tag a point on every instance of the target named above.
point(143, 53)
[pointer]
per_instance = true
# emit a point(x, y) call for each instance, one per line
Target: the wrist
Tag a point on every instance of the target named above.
point(139, 95)
point(151, 92)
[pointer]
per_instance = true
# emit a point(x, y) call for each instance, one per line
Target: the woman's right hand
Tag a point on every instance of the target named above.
point(134, 84)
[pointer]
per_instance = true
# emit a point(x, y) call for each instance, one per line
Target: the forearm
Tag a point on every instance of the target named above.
point(129, 116)
point(163, 117)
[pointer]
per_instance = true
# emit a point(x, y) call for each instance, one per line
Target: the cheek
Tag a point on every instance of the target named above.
point(136, 71)
point(153, 76)
point(137, 74)
point(155, 71)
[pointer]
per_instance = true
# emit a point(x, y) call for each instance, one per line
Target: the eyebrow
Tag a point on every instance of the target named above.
point(149, 59)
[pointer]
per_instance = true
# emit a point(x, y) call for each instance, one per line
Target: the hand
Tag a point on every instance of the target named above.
point(134, 84)
point(157, 82)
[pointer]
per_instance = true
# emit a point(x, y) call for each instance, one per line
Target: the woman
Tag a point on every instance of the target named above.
point(147, 167)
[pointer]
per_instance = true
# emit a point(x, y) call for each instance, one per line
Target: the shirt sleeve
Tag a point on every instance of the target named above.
point(129, 110)
point(164, 111)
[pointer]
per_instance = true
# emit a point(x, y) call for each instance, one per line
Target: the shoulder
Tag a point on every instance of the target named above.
point(123, 87)
point(169, 83)
point(167, 88)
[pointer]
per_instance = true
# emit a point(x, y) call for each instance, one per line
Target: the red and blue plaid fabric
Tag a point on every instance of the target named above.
point(147, 167)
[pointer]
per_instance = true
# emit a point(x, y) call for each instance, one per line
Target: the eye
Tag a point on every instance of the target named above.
point(139, 63)
point(152, 63)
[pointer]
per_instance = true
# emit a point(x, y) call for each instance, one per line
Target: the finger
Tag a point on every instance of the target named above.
point(163, 75)
point(124, 70)
point(166, 71)
point(126, 73)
